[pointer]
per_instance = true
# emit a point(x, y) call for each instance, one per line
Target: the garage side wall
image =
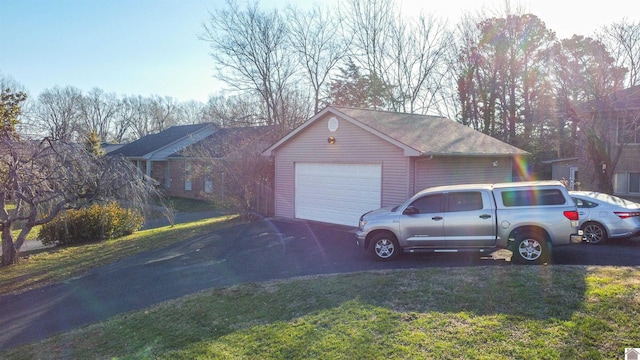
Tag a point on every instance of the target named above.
point(453, 170)
point(353, 145)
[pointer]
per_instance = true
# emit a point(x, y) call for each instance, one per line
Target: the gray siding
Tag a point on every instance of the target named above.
point(562, 170)
point(353, 145)
point(461, 170)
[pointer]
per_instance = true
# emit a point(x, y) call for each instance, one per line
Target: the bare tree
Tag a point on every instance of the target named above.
point(97, 113)
point(417, 63)
point(165, 112)
point(56, 113)
point(369, 21)
point(316, 37)
point(239, 175)
point(122, 122)
point(623, 42)
point(251, 52)
point(235, 111)
point(192, 112)
point(135, 116)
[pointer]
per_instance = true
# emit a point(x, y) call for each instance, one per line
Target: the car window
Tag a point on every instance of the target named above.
point(581, 203)
point(428, 204)
point(532, 197)
point(464, 201)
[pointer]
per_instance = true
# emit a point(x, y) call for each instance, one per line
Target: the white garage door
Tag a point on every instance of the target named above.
point(336, 193)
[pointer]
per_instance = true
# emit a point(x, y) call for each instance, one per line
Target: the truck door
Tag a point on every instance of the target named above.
point(421, 224)
point(469, 219)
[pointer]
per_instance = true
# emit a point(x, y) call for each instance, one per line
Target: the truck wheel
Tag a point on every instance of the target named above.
point(384, 246)
point(531, 248)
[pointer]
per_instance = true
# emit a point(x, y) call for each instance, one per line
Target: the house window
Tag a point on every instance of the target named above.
point(208, 180)
point(627, 183)
point(628, 131)
point(187, 176)
point(634, 182)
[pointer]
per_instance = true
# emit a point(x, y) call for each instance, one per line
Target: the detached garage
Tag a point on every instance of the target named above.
point(346, 161)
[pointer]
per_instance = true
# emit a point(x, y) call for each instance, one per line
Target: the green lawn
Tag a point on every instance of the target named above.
point(189, 205)
point(494, 312)
point(497, 312)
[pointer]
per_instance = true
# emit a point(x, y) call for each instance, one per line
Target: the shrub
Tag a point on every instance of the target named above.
point(94, 223)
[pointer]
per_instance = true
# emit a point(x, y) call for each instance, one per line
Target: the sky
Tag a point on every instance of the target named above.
point(151, 47)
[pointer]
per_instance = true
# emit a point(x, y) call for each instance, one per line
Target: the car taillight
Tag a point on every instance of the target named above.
point(571, 215)
point(625, 214)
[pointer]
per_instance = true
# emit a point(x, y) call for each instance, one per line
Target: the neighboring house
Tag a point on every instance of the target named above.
point(565, 170)
point(624, 113)
point(179, 158)
point(344, 161)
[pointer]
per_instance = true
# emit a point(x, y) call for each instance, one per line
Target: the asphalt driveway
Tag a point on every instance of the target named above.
point(264, 250)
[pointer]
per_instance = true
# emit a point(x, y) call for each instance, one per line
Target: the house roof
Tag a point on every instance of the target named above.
point(225, 140)
point(159, 146)
point(418, 135)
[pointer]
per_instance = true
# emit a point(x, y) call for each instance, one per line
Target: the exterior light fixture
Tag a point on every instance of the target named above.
point(331, 140)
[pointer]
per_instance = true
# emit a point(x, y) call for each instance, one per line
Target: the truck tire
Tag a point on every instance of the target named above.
point(384, 246)
point(531, 248)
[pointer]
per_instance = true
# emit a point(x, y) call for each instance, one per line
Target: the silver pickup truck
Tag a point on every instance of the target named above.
point(528, 218)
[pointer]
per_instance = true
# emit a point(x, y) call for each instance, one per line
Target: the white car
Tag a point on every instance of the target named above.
point(604, 216)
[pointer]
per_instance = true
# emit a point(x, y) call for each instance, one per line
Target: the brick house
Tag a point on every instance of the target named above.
point(187, 160)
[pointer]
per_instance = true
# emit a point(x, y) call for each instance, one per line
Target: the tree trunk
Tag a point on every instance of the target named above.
point(9, 251)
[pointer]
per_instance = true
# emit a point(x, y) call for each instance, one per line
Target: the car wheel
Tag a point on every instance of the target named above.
point(384, 246)
point(594, 233)
point(531, 248)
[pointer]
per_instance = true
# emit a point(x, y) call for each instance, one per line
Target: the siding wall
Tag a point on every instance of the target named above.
point(561, 170)
point(455, 170)
point(353, 145)
point(630, 159)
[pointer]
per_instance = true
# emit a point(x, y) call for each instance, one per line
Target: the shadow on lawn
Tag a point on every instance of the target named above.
point(272, 250)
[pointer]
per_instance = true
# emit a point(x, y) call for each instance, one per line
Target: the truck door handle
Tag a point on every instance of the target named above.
point(485, 216)
point(436, 218)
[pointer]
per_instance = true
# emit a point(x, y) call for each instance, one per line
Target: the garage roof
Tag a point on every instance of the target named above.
point(418, 135)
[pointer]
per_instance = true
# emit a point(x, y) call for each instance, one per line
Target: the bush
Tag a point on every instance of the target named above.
point(97, 222)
